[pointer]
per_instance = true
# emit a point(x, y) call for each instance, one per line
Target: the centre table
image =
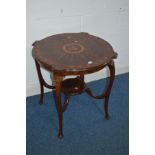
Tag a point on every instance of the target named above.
point(75, 54)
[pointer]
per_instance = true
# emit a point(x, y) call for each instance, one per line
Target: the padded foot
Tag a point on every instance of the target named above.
point(60, 136)
point(41, 102)
point(107, 117)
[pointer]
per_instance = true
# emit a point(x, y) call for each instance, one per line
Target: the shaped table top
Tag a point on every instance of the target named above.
point(73, 52)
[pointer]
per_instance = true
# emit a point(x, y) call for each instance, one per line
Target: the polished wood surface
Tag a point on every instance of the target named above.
point(73, 54)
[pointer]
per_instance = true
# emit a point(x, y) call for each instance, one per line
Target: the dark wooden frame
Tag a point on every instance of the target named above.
point(59, 76)
point(86, 54)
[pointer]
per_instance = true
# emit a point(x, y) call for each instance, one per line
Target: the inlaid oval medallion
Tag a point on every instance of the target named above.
point(73, 48)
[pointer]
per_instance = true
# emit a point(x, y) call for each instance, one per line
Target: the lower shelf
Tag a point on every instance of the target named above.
point(73, 86)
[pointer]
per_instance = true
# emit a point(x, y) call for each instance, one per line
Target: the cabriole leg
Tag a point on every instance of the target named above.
point(111, 67)
point(58, 80)
point(41, 82)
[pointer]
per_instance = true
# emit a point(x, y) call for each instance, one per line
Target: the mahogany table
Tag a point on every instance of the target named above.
point(73, 54)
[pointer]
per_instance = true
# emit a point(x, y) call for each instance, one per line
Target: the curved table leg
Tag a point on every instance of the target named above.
point(58, 80)
point(111, 67)
point(41, 82)
point(105, 95)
